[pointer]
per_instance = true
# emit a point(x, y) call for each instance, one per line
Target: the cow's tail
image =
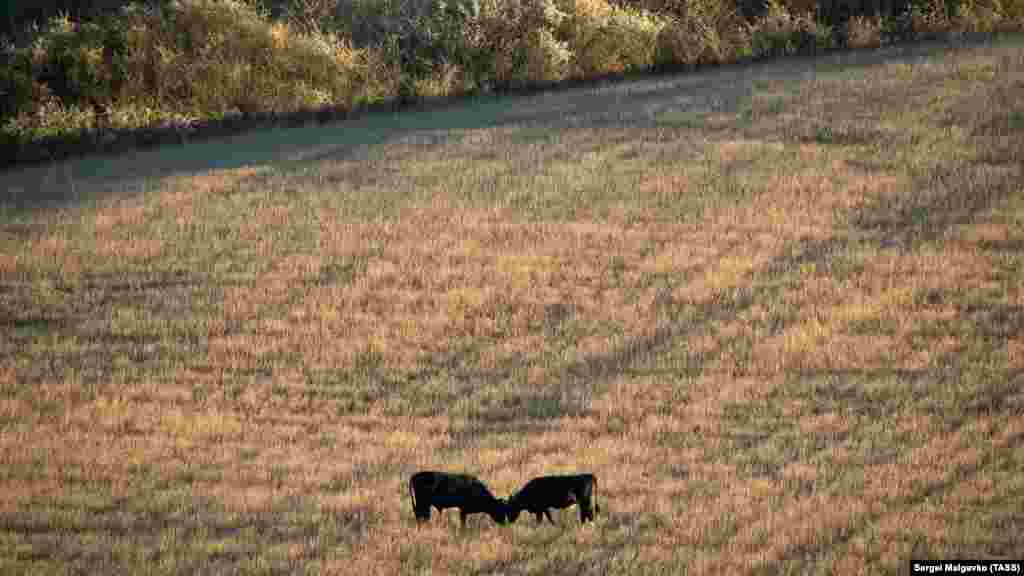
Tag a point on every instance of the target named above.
point(597, 507)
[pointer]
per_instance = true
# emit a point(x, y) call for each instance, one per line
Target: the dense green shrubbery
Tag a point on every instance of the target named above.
point(17, 86)
point(82, 63)
point(181, 61)
point(184, 60)
point(64, 78)
point(518, 37)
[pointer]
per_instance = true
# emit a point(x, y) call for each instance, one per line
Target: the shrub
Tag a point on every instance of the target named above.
point(19, 92)
point(369, 22)
point(1012, 11)
point(929, 18)
point(208, 56)
point(701, 32)
point(454, 43)
point(605, 38)
point(976, 17)
point(434, 46)
point(779, 33)
point(823, 35)
point(49, 118)
point(311, 16)
point(81, 62)
point(64, 79)
point(174, 62)
point(519, 37)
point(990, 15)
point(897, 28)
point(864, 32)
point(800, 6)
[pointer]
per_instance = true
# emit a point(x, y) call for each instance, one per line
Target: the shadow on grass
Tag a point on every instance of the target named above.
point(618, 532)
point(200, 534)
point(826, 541)
point(948, 197)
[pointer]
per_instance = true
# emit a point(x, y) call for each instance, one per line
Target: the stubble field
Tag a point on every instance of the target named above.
point(778, 310)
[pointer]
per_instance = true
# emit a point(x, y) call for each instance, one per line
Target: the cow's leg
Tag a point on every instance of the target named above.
point(422, 515)
point(586, 501)
point(586, 513)
point(586, 508)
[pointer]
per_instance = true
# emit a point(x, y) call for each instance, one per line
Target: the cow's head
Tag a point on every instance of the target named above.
point(500, 512)
point(513, 510)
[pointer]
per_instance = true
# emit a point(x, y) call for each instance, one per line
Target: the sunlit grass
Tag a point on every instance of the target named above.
point(778, 351)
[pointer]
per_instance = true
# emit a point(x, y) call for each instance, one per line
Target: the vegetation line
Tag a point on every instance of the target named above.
point(172, 72)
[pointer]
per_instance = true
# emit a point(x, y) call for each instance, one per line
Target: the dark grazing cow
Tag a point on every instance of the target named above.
point(442, 490)
point(545, 492)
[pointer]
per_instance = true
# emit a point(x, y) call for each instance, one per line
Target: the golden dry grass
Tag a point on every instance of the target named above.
point(776, 310)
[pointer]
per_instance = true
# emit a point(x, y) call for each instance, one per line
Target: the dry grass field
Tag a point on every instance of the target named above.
point(778, 310)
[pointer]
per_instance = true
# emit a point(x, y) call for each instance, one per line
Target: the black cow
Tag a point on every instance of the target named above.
point(442, 490)
point(545, 492)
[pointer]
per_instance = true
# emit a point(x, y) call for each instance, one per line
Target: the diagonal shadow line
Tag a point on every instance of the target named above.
point(724, 306)
point(147, 529)
point(918, 218)
point(841, 391)
point(468, 378)
point(999, 393)
point(813, 552)
point(957, 204)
